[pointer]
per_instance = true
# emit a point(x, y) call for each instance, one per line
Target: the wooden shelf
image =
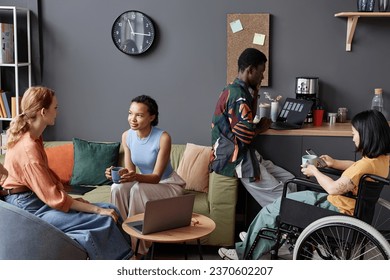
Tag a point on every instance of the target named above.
point(352, 22)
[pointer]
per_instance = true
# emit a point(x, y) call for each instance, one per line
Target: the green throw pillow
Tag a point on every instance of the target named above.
point(91, 160)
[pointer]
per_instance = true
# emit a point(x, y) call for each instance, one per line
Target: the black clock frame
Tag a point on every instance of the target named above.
point(153, 27)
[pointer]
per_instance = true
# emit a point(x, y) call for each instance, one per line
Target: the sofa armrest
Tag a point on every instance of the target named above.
point(223, 199)
point(28, 237)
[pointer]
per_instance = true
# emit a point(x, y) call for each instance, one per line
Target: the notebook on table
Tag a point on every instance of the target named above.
point(165, 214)
point(293, 114)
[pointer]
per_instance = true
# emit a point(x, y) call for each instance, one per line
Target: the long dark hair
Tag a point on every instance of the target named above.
point(151, 104)
point(374, 133)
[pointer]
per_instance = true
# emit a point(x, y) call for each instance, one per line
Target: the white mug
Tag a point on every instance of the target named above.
point(309, 159)
point(264, 109)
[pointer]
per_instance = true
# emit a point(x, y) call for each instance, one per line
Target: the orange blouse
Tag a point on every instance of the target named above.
point(27, 166)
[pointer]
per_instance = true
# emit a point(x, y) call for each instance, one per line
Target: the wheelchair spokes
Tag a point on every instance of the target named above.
point(341, 238)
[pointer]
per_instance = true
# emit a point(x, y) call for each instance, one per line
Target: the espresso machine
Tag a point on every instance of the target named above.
point(307, 88)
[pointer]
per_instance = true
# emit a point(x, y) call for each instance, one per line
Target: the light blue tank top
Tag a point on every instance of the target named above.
point(144, 151)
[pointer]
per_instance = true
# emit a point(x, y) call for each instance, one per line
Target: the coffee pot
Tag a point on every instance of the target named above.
point(307, 88)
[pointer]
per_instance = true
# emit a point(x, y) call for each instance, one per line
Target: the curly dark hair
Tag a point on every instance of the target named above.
point(151, 104)
point(251, 57)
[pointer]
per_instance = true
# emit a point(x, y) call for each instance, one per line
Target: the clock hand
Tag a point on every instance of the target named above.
point(132, 31)
point(143, 34)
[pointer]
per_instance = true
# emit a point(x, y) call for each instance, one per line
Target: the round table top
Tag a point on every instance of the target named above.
point(200, 226)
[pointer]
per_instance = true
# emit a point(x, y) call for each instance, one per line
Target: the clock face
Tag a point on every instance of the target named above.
point(133, 32)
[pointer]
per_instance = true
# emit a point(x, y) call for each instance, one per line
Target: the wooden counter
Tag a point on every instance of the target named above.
point(338, 129)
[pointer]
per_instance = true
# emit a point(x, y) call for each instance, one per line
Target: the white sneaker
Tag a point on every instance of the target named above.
point(242, 235)
point(228, 254)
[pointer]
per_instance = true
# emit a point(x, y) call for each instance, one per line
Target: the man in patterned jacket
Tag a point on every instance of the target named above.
point(233, 133)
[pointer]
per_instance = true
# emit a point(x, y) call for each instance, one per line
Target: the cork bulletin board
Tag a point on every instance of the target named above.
point(246, 31)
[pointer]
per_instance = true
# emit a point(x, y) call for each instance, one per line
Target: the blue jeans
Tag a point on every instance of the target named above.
point(99, 235)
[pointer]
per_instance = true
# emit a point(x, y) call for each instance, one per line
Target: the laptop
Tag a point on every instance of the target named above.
point(165, 214)
point(293, 114)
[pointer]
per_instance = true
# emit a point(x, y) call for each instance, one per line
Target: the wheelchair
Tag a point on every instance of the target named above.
point(314, 233)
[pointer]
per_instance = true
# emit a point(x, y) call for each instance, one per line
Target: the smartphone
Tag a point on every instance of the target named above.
point(321, 162)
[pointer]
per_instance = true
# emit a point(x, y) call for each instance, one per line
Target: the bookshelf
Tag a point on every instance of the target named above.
point(21, 61)
point(15, 64)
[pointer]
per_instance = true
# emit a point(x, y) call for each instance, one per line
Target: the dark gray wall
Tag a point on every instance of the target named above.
point(187, 69)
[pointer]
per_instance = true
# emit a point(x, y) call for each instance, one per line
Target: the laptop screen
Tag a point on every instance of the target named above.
point(294, 111)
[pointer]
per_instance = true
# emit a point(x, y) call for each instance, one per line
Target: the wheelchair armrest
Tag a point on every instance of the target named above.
point(330, 170)
point(308, 184)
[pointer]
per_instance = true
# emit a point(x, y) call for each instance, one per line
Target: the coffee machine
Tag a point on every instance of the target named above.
point(307, 88)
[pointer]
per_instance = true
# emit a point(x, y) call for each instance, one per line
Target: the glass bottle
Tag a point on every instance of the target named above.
point(342, 115)
point(382, 5)
point(370, 5)
point(365, 5)
point(377, 100)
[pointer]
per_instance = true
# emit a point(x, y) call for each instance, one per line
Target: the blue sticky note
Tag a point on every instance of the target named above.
point(236, 26)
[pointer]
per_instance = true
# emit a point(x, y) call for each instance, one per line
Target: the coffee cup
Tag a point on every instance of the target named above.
point(264, 110)
point(116, 174)
point(318, 115)
point(309, 159)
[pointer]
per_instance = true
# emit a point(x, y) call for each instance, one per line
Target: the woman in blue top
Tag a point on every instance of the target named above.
point(148, 148)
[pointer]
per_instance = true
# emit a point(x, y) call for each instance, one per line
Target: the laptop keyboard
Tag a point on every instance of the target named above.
point(283, 126)
point(138, 227)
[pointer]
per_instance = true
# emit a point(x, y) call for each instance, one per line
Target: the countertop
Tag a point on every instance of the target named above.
point(337, 129)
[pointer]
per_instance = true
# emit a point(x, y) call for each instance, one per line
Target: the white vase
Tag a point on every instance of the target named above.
point(274, 110)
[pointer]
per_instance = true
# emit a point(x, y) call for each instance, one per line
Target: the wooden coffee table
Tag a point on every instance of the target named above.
point(200, 226)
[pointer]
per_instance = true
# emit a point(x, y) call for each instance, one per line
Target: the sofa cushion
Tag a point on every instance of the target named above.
point(177, 152)
point(61, 160)
point(194, 167)
point(91, 160)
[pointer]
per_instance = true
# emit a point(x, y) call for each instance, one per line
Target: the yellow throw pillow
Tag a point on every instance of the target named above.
point(194, 167)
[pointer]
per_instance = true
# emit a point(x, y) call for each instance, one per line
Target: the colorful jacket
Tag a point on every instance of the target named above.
point(232, 133)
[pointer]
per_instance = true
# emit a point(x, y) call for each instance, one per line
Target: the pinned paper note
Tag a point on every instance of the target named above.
point(259, 39)
point(236, 26)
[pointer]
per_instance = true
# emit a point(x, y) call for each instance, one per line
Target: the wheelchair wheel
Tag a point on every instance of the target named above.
point(341, 238)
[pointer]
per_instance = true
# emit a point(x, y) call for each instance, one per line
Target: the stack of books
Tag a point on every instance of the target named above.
point(7, 104)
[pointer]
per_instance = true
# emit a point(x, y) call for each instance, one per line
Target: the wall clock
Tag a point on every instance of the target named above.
point(133, 32)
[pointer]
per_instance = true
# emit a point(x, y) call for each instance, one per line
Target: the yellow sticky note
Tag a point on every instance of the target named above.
point(259, 39)
point(236, 26)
